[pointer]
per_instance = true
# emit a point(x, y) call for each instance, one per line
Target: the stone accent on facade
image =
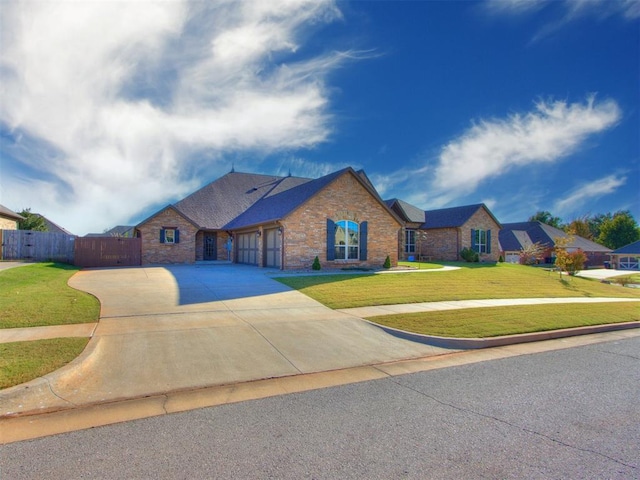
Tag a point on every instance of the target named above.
point(155, 252)
point(8, 224)
point(305, 229)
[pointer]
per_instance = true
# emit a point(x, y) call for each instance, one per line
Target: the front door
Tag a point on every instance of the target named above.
point(210, 247)
point(272, 248)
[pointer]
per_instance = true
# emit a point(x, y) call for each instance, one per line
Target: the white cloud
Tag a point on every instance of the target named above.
point(587, 191)
point(125, 97)
point(491, 148)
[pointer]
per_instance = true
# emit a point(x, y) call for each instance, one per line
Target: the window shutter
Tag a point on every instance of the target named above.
point(488, 241)
point(162, 235)
point(177, 236)
point(474, 245)
point(363, 241)
point(331, 238)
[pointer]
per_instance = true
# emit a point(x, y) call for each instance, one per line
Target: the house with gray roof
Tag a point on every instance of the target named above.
point(516, 236)
point(9, 219)
point(274, 221)
point(627, 257)
point(443, 233)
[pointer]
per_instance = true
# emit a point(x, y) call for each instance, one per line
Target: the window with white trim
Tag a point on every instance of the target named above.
point(480, 241)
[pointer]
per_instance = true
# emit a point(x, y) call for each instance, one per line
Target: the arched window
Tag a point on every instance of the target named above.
point(347, 240)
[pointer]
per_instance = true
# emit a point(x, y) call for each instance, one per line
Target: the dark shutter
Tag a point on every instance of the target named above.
point(331, 239)
point(176, 238)
point(162, 235)
point(363, 241)
point(488, 241)
point(474, 245)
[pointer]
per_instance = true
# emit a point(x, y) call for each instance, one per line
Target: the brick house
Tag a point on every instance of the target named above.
point(9, 219)
point(515, 236)
point(272, 221)
point(442, 234)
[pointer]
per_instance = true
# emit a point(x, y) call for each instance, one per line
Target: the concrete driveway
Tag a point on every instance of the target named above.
point(184, 327)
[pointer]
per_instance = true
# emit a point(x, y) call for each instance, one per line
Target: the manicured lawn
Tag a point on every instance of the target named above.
point(471, 282)
point(496, 321)
point(38, 295)
point(24, 361)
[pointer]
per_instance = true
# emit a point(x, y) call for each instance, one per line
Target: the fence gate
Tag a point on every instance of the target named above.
point(34, 246)
point(107, 252)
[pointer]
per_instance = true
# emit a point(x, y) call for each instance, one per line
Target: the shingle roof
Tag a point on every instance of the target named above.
point(219, 202)
point(631, 249)
point(8, 213)
point(449, 217)
point(545, 235)
point(409, 213)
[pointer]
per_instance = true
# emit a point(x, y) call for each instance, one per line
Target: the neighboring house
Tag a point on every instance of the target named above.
point(121, 231)
point(53, 227)
point(442, 234)
point(9, 219)
point(627, 257)
point(272, 221)
point(515, 236)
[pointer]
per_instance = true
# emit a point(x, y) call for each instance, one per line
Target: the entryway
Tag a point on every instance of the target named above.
point(210, 246)
point(272, 249)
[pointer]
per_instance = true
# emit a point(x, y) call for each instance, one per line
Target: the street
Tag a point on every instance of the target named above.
point(571, 413)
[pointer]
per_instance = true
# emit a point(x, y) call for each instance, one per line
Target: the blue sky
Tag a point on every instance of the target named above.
point(111, 110)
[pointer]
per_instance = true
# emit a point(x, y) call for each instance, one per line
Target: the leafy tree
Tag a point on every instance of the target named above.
point(546, 217)
point(580, 227)
point(31, 221)
point(569, 262)
point(595, 223)
point(619, 230)
point(532, 254)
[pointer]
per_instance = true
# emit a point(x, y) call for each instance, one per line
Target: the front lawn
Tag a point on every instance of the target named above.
point(24, 361)
point(38, 295)
point(496, 321)
point(471, 282)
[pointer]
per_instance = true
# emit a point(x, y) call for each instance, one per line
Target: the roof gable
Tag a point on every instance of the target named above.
point(544, 234)
point(631, 249)
point(406, 211)
point(8, 213)
point(450, 217)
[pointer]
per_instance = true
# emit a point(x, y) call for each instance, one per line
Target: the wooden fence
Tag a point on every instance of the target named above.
point(35, 246)
point(107, 251)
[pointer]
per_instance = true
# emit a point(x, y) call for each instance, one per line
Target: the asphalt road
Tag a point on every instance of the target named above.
point(572, 413)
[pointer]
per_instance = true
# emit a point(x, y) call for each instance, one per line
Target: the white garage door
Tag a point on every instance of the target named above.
point(512, 258)
point(629, 263)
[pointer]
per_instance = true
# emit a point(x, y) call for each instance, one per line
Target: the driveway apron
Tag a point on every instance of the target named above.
point(167, 328)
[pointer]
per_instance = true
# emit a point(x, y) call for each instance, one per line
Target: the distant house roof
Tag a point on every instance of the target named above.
point(8, 213)
point(53, 227)
point(512, 234)
point(239, 200)
point(631, 249)
point(452, 217)
point(118, 231)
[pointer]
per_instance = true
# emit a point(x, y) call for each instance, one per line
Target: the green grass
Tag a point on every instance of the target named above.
point(496, 321)
point(24, 361)
point(38, 295)
point(627, 279)
point(471, 282)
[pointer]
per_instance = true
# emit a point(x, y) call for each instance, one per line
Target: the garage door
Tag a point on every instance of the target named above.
point(512, 258)
point(629, 263)
point(247, 248)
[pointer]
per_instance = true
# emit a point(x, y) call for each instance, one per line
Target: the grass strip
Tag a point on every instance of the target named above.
point(24, 361)
point(470, 282)
point(496, 321)
point(38, 295)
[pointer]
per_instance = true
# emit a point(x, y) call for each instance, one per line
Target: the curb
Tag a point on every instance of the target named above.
point(477, 343)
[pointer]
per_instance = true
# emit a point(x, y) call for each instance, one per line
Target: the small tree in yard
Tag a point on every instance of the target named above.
point(31, 221)
point(469, 255)
point(532, 254)
point(569, 262)
point(387, 262)
point(316, 264)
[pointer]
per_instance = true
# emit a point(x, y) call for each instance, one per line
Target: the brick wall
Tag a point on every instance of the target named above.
point(8, 224)
point(482, 220)
point(305, 229)
point(155, 252)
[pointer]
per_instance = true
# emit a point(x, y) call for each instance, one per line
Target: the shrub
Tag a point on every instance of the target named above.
point(469, 255)
point(316, 264)
point(501, 259)
point(387, 262)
